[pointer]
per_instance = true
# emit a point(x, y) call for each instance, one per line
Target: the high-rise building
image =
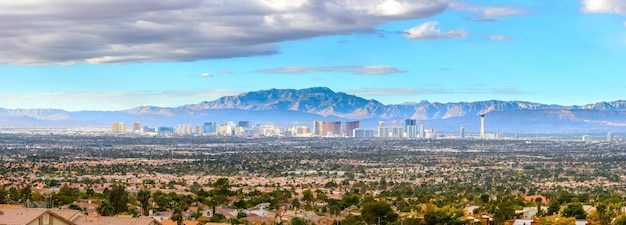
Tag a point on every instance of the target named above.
point(318, 128)
point(482, 126)
point(332, 128)
point(609, 137)
point(383, 132)
point(397, 132)
point(299, 131)
point(244, 124)
point(422, 132)
point(165, 130)
point(585, 138)
point(198, 130)
point(210, 127)
point(411, 132)
point(136, 127)
point(409, 122)
point(362, 133)
point(462, 133)
point(118, 127)
point(350, 126)
point(184, 129)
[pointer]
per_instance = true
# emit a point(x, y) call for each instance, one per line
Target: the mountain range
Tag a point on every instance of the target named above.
point(287, 107)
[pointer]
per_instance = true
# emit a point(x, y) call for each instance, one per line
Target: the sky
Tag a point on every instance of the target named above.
point(120, 54)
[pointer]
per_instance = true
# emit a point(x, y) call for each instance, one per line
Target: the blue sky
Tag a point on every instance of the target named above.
point(117, 54)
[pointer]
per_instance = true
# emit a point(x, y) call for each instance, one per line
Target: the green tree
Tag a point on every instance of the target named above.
point(307, 195)
point(442, 216)
point(299, 221)
point(575, 210)
point(554, 207)
point(143, 196)
point(4, 195)
point(295, 203)
point(620, 220)
point(105, 209)
point(118, 198)
point(503, 208)
point(352, 220)
point(178, 216)
point(26, 193)
point(378, 212)
point(557, 220)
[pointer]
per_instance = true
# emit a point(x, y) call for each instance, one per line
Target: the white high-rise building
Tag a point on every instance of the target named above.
point(383, 132)
point(482, 126)
point(411, 132)
point(397, 132)
point(462, 133)
point(363, 133)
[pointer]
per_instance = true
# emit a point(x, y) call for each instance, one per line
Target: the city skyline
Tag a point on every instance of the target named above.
point(170, 54)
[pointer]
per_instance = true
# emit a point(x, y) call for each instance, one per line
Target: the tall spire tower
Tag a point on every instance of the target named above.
point(482, 126)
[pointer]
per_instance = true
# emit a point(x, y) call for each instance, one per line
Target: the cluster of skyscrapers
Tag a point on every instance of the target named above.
point(320, 128)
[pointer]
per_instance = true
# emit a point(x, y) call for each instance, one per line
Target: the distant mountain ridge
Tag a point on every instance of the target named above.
point(290, 106)
point(323, 101)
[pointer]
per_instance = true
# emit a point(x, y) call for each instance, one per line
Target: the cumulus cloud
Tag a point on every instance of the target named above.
point(206, 75)
point(121, 31)
point(499, 38)
point(429, 30)
point(359, 70)
point(604, 6)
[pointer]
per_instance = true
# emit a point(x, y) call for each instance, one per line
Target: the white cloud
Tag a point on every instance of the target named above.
point(108, 100)
point(604, 6)
point(370, 91)
point(224, 72)
point(403, 91)
point(488, 13)
point(206, 75)
point(499, 38)
point(429, 30)
point(360, 70)
point(121, 31)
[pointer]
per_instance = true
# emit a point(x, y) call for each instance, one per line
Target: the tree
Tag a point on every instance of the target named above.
point(90, 192)
point(118, 198)
point(307, 195)
point(26, 193)
point(105, 208)
point(620, 220)
point(4, 195)
point(442, 216)
point(352, 220)
point(295, 203)
point(378, 212)
point(575, 210)
point(484, 198)
point(503, 208)
point(557, 220)
point(178, 216)
point(299, 221)
point(554, 207)
point(221, 187)
point(143, 196)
